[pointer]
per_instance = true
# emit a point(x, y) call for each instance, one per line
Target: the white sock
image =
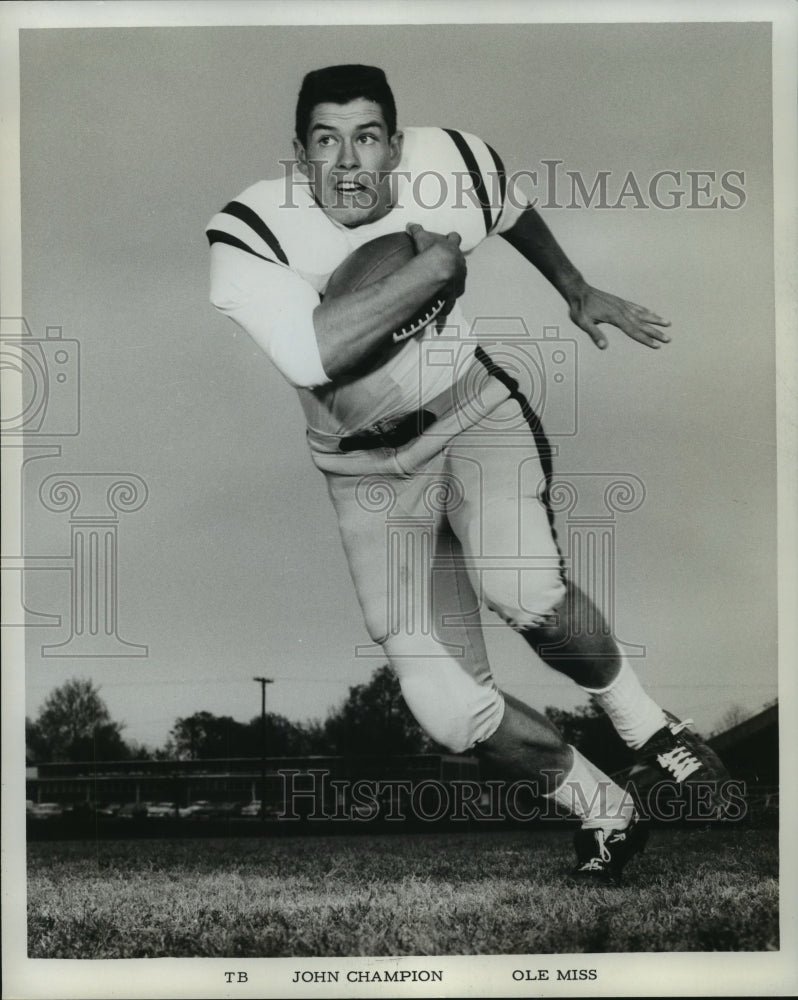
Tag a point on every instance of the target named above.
point(634, 714)
point(594, 797)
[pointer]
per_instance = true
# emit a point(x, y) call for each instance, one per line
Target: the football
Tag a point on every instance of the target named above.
point(377, 259)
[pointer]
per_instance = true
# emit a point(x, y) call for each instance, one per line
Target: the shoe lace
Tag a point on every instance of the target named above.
point(677, 727)
point(603, 857)
point(680, 762)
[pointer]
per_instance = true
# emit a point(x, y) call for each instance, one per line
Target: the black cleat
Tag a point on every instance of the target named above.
point(685, 761)
point(601, 856)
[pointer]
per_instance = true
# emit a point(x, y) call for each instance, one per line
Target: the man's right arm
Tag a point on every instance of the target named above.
point(352, 327)
point(312, 342)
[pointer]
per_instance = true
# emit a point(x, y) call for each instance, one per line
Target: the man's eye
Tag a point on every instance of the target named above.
point(367, 138)
point(326, 140)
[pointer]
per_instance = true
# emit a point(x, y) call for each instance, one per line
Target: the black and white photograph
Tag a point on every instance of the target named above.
point(399, 545)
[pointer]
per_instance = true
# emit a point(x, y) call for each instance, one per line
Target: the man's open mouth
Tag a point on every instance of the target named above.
point(350, 187)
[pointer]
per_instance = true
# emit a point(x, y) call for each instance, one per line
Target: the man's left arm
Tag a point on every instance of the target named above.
point(587, 306)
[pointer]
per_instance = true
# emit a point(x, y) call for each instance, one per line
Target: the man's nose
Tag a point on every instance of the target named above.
point(347, 156)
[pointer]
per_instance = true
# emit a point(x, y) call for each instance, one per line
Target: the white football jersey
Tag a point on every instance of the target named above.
point(274, 249)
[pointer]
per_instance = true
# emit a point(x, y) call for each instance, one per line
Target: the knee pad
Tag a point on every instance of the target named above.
point(451, 706)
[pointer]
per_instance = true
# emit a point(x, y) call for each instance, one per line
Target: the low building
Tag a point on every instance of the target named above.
point(234, 780)
point(750, 750)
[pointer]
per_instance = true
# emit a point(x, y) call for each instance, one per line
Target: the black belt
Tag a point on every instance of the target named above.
point(409, 427)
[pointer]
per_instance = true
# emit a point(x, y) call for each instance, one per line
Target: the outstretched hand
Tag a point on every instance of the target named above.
point(590, 306)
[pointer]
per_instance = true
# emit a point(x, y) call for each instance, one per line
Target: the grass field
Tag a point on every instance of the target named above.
point(418, 894)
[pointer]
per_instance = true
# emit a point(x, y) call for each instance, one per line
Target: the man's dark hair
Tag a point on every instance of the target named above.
point(340, 85)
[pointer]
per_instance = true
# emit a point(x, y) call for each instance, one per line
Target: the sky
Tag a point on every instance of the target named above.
point(230, 566)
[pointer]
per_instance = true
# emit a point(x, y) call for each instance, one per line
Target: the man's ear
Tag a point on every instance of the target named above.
point(396, 143)
point(301, 158)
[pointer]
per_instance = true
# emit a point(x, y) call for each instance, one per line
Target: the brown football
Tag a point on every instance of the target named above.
point(377, 259)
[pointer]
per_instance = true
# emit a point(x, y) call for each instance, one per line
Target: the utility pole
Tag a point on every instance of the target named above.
point(263, 681)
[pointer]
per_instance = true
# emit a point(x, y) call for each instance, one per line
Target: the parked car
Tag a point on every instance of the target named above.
point(224, 810)
point(252, 809)
point(161, 810)
point(134, 810)
point(46, 810)
point(196, 810)
point(203, 809)
point(112, 809)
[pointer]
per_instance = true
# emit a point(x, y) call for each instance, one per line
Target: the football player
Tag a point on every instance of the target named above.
point(436, 516)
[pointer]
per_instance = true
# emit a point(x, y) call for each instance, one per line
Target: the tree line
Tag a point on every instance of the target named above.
point(74, 724)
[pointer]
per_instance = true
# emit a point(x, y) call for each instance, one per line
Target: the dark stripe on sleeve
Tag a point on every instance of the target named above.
point(254, 221)
point(217, 236)
point(476, 176)
point(497, 162)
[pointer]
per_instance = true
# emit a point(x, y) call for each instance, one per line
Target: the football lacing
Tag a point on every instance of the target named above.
point(425, 320)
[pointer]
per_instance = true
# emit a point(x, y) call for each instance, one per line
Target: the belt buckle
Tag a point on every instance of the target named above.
point(383, 434)
point(394, 436)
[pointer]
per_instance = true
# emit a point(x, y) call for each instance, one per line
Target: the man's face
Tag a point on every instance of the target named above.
point(348, 157)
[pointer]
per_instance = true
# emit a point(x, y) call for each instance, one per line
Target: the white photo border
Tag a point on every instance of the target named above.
point(620, 975)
